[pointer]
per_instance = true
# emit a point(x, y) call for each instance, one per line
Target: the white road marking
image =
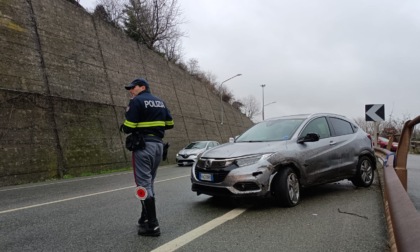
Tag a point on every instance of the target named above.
point(194, 234)
point(62, 181)
point(81, 196)
point(72, 180)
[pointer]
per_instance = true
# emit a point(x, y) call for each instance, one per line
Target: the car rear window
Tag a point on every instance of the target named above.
point(341, 127)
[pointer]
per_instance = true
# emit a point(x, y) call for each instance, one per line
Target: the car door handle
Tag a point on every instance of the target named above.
point(332, 143)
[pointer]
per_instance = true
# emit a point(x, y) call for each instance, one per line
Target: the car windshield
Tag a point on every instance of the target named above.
point(273, 130)
point(196, 145)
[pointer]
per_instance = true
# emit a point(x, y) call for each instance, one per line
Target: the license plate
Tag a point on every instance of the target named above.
point(184, 163)
point(206, 176)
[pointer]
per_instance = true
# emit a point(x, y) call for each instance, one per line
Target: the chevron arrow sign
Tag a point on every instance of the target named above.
point(375, 112)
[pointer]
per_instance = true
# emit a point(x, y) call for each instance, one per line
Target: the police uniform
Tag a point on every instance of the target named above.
point(148, 117)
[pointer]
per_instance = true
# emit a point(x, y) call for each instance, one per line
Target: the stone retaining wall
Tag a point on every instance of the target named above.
point(62, 99)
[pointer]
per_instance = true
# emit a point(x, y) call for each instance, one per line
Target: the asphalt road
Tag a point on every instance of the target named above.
point(413, 179)
point(99, 214)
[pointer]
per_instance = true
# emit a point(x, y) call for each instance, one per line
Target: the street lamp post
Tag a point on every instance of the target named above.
point(267, 105)
point(221, 96)
point(263, 86)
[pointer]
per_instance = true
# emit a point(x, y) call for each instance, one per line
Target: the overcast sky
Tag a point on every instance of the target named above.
point(312, 55)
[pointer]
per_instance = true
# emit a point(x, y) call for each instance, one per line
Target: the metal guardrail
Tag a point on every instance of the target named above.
point(403, 219)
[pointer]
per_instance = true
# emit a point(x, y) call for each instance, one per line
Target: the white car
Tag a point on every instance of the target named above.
point(188, 155)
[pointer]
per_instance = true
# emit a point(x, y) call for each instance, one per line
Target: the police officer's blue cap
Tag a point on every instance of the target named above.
point(138, 82)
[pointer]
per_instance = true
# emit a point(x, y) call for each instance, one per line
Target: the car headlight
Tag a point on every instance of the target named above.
point(177, 155)
point(251, 159)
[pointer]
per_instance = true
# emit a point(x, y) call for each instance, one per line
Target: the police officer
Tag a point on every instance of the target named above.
point(147, 118)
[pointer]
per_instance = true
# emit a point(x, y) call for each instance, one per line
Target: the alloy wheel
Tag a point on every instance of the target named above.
point(293, 188)
point(366, 171)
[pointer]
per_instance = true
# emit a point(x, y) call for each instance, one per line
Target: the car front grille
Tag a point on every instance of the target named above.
point(219, 168)
point(218, 176)
point(213, 164)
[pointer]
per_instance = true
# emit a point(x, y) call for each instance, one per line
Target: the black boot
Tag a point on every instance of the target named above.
point(152, 227)
point(142, 222)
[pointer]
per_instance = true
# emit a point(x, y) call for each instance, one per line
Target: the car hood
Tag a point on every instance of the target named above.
point(231, 150)
point(190, 151)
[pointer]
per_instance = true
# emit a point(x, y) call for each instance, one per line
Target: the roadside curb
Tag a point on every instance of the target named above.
point(391, 238)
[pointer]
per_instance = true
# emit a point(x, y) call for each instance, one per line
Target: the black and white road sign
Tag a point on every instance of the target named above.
point(375, 112)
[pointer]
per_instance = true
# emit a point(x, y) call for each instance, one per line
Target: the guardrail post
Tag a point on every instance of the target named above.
point(403, 149)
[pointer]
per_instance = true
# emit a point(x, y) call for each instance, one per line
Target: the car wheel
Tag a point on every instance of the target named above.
point(365, 173)
point(286, 187)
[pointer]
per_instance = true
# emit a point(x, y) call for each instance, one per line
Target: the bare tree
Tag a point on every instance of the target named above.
point(391, 127)
point(369, 127)
point(193, 67)
point(112, 10)
point(237, 105)
point(251, 106)
point(155, 24)
point(211, 77)
point(172, 50)
point(76, 2)
point(227, 95)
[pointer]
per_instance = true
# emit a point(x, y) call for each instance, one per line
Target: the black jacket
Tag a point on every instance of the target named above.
point(148, 115)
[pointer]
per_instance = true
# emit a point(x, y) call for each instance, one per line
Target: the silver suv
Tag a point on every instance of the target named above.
point(279, 156)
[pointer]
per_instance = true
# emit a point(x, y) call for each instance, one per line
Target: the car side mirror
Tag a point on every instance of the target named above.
point(310, 137)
